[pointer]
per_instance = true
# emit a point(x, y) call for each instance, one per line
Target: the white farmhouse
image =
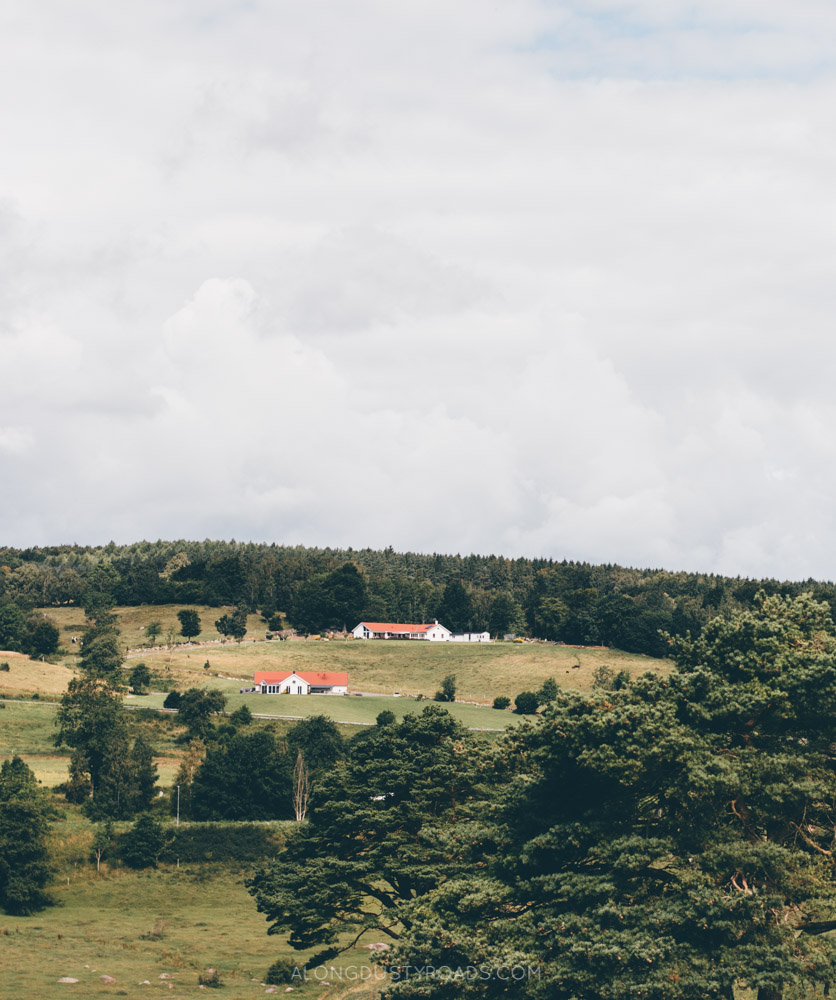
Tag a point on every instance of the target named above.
point(309, 682)
point(399, 630)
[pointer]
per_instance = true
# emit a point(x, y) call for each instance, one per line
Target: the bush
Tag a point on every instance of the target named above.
point(386, 718)
point(241, 716)
point(448, 689)
point(526, 703)
point(211, 978)
point(604, 677)
point(282, 971)
point(4, 666)
point(172, 700)
point(548, 692)
point(501, 702)
point(143, 844)
point(194, 843)
point(206, 665)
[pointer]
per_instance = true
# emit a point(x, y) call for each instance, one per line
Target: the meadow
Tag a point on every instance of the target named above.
point(151, 931)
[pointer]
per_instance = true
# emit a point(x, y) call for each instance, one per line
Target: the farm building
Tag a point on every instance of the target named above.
point(309, 682)
point(398, 630)
point(470, 637)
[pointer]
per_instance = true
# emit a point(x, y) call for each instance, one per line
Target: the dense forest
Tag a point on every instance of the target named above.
point(315, 589)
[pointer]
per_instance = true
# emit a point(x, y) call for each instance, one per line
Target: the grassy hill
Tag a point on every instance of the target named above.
point(138, 926)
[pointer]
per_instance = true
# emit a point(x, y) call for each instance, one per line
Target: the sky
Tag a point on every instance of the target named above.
point(526, 277)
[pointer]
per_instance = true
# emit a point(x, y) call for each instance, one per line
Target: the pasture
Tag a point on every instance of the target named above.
point(153, 932)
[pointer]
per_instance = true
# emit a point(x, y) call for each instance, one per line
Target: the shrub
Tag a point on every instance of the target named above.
point(211, 978)
point(4, 666)
point(448, 689)
point(548, 692)
point(526, 703)
point(603, 677)
point(241, 716)
point(386, 718)
point(501, 702)
point(172, 700)
point(282, 971)
point(143, 844)
point(206, 665)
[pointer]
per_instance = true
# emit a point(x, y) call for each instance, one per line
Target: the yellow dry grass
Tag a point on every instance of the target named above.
point(28, 675)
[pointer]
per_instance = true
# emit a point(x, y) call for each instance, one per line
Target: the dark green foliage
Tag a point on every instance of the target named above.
point(501, 702)
point(24, 868)
point(238, 843)
point(143, 845)
point(448, 689)
point(275, 623)
point(196, 708)
point(12, 627)
point(126, 781)
point(152, 631)
point(283, 971)
point(526, 703)
point(245, 777)
point(365, 833)
point(234, 625)
point(669, 841)
point(385, 718)
point(189, 623)
point(104, 843)
point(43, 638)
point(548, 692)
point(330, 600)
point(172, 700)
point(456, 608)
point(140, 678)
point(319, 741)
point(210, 978)
point(4, 667)
point(241, 716)
point(89, 721)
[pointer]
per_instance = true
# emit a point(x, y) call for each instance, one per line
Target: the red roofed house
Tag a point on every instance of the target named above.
point(393, 630)
point(310, 682)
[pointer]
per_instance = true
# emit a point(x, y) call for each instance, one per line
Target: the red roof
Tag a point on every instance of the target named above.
point(397, 627)
point(314, 678)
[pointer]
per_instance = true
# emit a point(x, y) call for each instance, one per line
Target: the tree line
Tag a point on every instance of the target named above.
point(320, 588)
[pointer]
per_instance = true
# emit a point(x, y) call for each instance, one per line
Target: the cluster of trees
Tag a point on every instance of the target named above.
point(24, 630)
point(670, 839)
point(25, 813)
point(112, 774)
point(230, 773)
point(571, 602)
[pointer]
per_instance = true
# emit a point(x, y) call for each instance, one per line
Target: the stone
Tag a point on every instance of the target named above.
point(166, 975)
point(67, 979)
point(107, 979)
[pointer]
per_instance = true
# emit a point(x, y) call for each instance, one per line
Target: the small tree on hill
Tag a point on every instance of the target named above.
point(526, 703)
point(448, 689)
point(548, 692)
point(189, 623)
point(140, 679)
point(152, 631)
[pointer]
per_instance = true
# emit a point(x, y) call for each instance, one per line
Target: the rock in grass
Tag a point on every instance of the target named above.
point(107, 979)
point(67, 979)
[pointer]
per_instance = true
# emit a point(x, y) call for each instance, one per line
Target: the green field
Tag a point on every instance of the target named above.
point(139, 926)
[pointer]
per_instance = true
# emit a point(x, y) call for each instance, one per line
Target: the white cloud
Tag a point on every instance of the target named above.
point(539, 278)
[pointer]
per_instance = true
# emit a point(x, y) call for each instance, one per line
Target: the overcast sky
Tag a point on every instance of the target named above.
point(531, 277)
